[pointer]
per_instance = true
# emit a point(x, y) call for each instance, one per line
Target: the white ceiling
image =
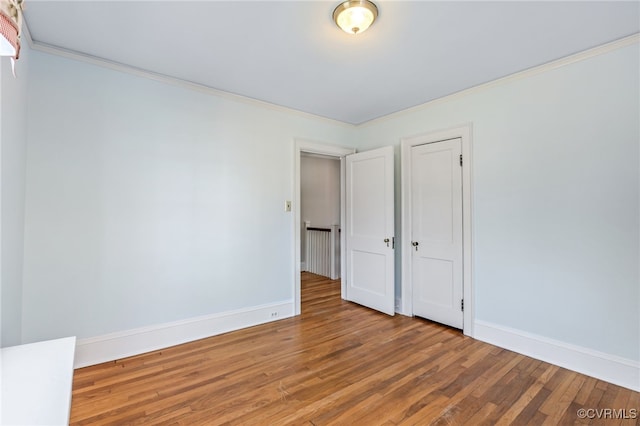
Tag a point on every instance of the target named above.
point(290, 53)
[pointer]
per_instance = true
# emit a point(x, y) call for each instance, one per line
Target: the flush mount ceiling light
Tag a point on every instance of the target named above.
point(355, 16)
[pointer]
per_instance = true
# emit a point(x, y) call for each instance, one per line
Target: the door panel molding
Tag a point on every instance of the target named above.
point(464, 132)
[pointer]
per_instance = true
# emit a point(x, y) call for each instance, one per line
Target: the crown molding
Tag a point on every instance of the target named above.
point(163, 78)
point(558, 63)
point(174, 81)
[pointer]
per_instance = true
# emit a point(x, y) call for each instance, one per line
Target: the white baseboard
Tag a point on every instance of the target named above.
point(108, 347)
point(617, 370)
point(303, 266)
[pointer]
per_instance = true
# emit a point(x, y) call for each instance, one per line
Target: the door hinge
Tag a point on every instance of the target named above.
point(460, 160)
point(462, 305)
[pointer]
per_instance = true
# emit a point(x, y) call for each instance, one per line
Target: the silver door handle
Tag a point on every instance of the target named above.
point(386, 240)
point(415, 244)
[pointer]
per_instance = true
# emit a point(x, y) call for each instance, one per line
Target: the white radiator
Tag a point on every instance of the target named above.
point(323, 251)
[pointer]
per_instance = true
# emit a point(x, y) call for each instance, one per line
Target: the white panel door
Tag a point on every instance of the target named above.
point(436, 221)
point(369, 228)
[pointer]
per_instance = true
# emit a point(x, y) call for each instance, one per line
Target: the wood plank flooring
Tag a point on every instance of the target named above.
point(341, 364)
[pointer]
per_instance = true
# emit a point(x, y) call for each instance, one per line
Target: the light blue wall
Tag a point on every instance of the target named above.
point(556, 198)
point(149, 203)
point(13, 137)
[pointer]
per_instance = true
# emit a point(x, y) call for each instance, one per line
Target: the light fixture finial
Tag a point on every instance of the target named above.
point(355, 16)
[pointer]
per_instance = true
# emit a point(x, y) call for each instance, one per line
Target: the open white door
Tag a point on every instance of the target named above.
point(370, 229)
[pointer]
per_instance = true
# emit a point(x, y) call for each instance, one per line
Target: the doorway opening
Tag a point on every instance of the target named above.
point(311, 149)
point(320, 215)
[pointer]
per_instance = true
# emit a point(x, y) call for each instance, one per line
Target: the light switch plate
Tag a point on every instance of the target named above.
point(287, 206)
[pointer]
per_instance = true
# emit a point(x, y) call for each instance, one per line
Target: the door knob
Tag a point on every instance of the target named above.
point(386, 240)
point(415, 244)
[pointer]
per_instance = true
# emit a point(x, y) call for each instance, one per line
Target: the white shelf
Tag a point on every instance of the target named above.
point(36, 382)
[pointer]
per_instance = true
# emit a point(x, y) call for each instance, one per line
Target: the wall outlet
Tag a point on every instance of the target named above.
point(274, 314)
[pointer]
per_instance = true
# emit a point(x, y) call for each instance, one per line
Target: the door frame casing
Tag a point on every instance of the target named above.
point(464, 132)
point(320, 148)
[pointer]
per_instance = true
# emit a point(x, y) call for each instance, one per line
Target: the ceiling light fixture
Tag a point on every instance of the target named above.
point(355, 16)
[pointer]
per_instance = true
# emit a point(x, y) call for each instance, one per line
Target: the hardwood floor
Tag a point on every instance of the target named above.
point(340, 363)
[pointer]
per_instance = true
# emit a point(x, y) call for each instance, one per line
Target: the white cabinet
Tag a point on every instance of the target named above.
point(36, 382)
